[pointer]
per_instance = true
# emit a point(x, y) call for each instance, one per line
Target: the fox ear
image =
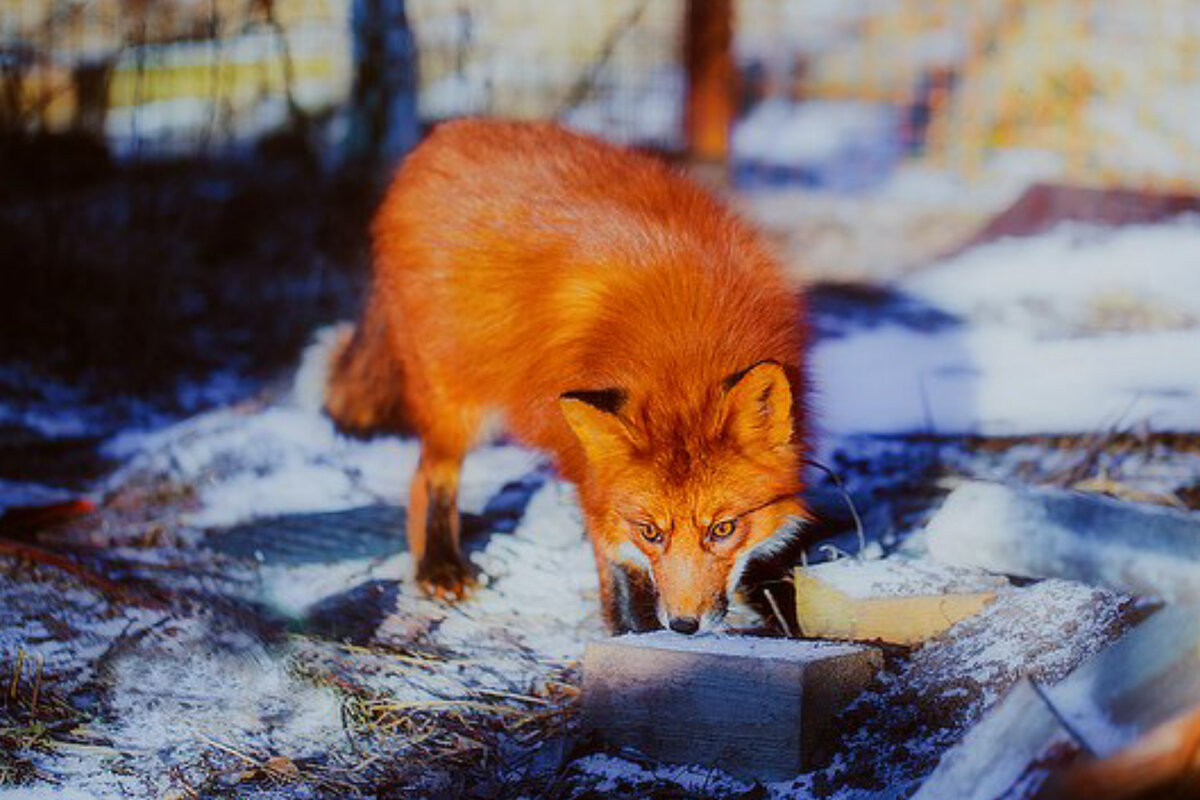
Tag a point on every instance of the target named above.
point(593, 417)
point(757, 410)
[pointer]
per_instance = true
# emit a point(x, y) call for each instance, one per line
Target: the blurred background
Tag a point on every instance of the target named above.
point(815, 92)
point(989, 204)
point(185, 184)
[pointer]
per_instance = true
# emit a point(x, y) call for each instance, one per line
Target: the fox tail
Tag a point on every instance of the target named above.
point(351, 374)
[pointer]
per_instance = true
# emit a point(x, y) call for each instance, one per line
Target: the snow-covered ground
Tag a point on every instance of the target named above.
point(833, 144)
point(916, 214)
point(1075, 331)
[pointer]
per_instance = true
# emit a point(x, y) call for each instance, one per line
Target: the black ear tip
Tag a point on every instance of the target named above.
point(607, 400)
point(733, 380)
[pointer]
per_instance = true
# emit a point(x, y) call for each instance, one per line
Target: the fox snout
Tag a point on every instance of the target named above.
point(693, 623)
point(692, 607)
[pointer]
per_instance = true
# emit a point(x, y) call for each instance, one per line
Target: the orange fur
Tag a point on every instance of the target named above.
point(618, 318)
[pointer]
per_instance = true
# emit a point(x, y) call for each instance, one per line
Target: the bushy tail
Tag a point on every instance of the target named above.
point(351, 374)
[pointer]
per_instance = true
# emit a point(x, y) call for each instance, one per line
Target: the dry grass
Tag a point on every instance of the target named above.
point(393, 743)
point(33, 718)
point(398, 742)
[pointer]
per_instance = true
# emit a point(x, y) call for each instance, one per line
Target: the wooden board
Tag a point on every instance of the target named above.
point(755, 708)
point(1134, 548)
point(827, 609)
point(1136, 702)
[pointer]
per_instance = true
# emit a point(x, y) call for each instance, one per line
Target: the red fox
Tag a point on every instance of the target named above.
point(607, 311)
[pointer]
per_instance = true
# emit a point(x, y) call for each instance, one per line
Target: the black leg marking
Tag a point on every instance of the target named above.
point(636, 600)
point(440, 547)
point(442, 564)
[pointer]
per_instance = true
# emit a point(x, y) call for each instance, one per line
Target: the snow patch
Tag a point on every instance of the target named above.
point(312, 376)
point(901, 577)
point(1073, 331)
point(284, 459)
point(745, 646)
point(1075, 280)
point(1000, 382)
point(611, 774)
point(26, 493)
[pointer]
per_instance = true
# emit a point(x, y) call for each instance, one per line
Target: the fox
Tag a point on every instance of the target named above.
point(602, 307)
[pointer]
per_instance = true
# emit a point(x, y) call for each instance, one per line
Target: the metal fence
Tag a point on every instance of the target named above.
point(825, 93)
point(171, 77)
point(613, 68)
point(1095, 92)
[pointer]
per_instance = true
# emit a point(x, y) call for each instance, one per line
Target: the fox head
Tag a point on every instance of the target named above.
point(690, 495)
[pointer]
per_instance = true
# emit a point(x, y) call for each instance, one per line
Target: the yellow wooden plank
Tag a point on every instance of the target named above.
point(824, 612)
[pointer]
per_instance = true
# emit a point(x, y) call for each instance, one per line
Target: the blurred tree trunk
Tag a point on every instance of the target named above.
point(708, 58)
point(91, 81)
point(383, 112)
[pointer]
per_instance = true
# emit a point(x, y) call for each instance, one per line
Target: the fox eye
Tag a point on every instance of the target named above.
point(648, 532)
point(723, 529)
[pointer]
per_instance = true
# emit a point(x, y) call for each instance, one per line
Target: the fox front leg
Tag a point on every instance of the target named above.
point(433, 529)
point(627, 598)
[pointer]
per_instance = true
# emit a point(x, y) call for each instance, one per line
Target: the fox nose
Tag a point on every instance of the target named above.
point(688, 625)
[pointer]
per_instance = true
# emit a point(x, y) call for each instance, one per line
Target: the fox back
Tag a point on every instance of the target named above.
point(610, 312)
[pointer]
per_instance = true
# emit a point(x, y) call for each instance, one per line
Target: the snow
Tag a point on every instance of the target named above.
point(612, 775)
point(1043, 630)
point(286, 459)
point(54, 409)
point(239, 697)
point(1136, 548)
point(1073, 331)
point(294, 589)
point(542, 587)
point(647, 114)
point(994, 755)
point(28, 493)
point(744, 646)
point(1062, 283)
point(535, 610)
point(1005, 383)
point(541, 579)
point(900, 577)
point(841, 144)
point(45, 793)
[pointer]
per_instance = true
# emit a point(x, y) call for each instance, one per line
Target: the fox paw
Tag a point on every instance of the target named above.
point(449, 581)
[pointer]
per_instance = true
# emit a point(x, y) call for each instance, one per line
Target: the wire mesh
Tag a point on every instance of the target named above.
point(1097, 92)
point(1093, 92)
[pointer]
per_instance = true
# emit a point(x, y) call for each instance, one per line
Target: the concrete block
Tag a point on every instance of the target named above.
point(1132, 548)
point(756, 708)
